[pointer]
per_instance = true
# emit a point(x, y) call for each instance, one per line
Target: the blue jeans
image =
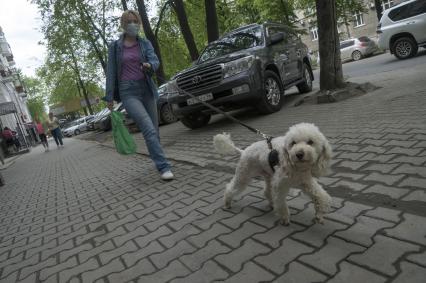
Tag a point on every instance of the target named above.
point(141, 105)
point(57, 135)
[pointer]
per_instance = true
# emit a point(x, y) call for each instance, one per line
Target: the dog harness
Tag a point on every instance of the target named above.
point(273, 157)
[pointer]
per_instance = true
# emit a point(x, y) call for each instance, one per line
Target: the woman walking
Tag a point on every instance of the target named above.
point(131, 63)
point(42, 135)
point(53, 124)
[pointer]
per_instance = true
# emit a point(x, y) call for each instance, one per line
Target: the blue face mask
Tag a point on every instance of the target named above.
point(132, 29)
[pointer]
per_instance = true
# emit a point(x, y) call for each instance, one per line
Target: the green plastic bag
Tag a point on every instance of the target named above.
point(124, 142)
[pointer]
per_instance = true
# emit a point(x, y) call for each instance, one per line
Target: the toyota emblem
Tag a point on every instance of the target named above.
point(196, 80)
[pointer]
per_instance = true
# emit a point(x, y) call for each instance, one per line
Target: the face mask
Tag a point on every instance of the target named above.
point(132, 29)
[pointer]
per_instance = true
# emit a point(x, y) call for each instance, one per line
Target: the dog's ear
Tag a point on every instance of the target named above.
point(285, 161)
point(323, 162)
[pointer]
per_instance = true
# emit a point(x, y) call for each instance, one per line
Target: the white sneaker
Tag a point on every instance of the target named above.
point(167, 176)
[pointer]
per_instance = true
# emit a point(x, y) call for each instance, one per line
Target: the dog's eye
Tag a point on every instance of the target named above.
point(310, 142)
point(292, 143)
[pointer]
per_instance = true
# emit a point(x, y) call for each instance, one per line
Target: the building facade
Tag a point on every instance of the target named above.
point(359, 24)
point(14, 112)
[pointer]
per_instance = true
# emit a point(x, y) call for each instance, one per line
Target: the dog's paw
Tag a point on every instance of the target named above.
point(319, 219)
point(285, 221)
point(227, 205)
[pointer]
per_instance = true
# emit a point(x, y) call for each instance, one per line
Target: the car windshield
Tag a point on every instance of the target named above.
point(243, 39)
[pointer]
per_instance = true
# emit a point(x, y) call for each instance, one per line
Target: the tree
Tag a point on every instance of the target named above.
point(344, 9)
point(179, 8)
point(331, 75)
point(211, 20)
point(379, 9)
point(35, 97)
point(151, 37)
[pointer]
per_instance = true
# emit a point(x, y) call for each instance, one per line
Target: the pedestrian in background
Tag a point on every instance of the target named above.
point(42, 135)
point(53, 125)
point(131, 64)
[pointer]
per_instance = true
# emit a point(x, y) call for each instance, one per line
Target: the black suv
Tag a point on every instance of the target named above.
point(251, 65)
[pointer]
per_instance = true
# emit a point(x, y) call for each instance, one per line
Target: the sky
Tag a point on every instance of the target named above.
point(21, 22)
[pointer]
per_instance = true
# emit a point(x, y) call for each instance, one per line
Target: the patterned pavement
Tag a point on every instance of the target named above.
point(86, 214)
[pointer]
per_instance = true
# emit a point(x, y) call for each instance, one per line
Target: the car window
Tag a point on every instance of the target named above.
point(407, 11)
point(240, 40)
point(364, 39)
point(347, 44)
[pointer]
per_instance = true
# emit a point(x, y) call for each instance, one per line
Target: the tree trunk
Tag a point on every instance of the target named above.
point(379, 9)
point(185, 29)
point(160, 18)
point(124, 4)
point(211, 19)
point(331, 75)
point(151, 37)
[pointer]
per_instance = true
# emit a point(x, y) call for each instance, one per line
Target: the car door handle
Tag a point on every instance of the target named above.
point(410, 23)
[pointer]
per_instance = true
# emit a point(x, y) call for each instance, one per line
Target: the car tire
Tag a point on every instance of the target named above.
point(166, 114)
point(356, 55)
point(77, 132)
point(106, 125)
point(404, 48)
point(272, 94)
point(196, 120)
point(306, 85)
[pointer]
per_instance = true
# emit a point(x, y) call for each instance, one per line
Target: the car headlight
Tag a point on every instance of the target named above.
point(171, 87)
point(237, 66)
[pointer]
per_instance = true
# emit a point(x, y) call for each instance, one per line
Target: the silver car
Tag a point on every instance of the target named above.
point(402, 29)
point(357, 48)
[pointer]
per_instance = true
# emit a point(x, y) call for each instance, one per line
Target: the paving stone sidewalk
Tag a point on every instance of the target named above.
point(86, 214)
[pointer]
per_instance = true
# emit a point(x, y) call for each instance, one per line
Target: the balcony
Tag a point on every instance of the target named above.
point(6, 76)
point(18, 86)
point(10, 60)
point(5, 48)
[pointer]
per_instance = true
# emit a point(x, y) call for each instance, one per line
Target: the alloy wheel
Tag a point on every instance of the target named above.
point(403, 49)
point(273, 94)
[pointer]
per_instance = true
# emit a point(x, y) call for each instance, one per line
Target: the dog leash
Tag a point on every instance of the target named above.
point(273, 157)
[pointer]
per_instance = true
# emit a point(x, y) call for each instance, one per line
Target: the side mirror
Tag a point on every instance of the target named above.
point(277, 38)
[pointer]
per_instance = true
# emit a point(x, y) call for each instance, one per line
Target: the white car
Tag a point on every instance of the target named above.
point(76, 127)
point(402, 28)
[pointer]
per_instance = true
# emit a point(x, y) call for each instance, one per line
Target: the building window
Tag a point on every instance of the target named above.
point(359, 20)
point(314, 33)
point(386, 4)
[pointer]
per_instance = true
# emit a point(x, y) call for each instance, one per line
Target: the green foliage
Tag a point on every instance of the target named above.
point(36, 95)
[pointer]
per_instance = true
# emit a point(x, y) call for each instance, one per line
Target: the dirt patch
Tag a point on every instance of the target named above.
point(349, 91)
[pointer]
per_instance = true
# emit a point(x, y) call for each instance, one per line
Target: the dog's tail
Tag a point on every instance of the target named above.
point(224, 145)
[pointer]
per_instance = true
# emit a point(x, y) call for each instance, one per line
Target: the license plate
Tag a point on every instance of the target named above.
point(203, 97)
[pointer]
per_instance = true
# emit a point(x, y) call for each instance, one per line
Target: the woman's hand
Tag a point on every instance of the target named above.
point(146, 66)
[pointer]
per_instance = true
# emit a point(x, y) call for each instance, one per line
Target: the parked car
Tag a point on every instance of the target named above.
point(357, 48)
point(402, 29)
point(97, 116)
point(165, 113)
point(76, 127)
point(251, 65)
point(104, 123)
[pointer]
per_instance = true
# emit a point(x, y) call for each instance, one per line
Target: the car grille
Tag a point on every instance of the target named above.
point(199, 80)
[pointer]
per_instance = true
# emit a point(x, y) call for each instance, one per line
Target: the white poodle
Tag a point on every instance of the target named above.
point(304, 155)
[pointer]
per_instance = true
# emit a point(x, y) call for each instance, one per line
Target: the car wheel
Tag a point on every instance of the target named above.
point(77, 132)
point(306, 85)
point(404, 48)
point(196, 120)
point(166, 114)
point(356, 55)
point(273, 93)
point(106, 125)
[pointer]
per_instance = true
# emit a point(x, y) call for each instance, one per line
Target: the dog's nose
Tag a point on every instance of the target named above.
point(300, 155)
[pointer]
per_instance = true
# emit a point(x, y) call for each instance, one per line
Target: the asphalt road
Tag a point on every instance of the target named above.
point(377, 64)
